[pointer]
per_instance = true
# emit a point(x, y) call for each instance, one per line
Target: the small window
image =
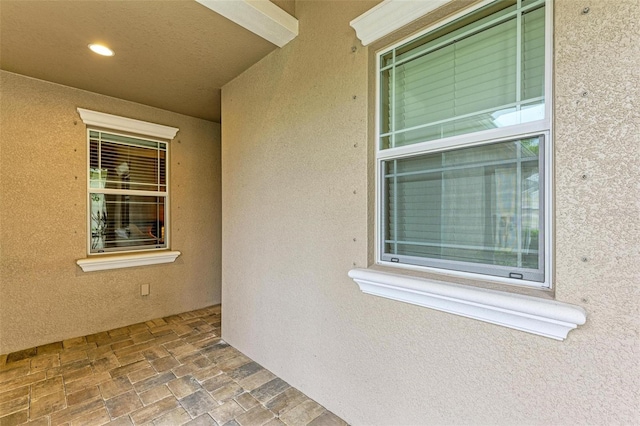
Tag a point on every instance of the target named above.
point(464, 143)
point(127, 193)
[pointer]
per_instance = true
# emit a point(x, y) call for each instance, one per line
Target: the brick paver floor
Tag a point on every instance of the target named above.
point(169, 371)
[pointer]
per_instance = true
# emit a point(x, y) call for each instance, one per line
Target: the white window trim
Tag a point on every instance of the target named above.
point(389, 16)
point(114, 122)
point(105, 261)
point(101, 263)
point(543, 317)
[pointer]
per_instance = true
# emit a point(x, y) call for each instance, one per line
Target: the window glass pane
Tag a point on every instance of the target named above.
point(163, 170)
point(386, 60)
point(122, 222)
point(533, 54)
point(94, 157)
point(129, 163)
point(385, 105)
point(483, 71)
point(478, 205)
point(385, 142)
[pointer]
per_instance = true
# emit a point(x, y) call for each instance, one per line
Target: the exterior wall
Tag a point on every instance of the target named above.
point(295, 164)
point(44, 296)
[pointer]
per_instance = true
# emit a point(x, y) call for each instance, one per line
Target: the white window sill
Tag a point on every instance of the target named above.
point(101, 263)
point(544, 317)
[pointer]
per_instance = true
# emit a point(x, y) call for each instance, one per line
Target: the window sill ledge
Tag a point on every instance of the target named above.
point(101, 263)
point(543, 317)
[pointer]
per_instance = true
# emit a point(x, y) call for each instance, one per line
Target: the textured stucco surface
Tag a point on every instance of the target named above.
point(295, 211)
point(44, 295)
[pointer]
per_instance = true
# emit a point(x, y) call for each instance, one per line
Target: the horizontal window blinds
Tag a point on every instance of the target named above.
point(135, 163)
point(478, 77)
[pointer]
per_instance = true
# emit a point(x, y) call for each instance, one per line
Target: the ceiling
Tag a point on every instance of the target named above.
point(175, 55)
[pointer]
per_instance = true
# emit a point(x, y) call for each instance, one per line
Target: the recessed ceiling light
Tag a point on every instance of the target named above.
point(101, 50)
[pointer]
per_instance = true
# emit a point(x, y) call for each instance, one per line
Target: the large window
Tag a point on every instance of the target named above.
point(128, 193)
point(464, 143)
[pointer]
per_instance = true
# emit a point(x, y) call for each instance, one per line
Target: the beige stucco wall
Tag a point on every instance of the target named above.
point(295, 214)
point(44, 295)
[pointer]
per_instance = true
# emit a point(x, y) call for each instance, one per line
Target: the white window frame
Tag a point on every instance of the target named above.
point(540, 127)
point(108, 123)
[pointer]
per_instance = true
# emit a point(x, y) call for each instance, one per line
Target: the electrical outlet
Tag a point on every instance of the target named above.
point(144, 289)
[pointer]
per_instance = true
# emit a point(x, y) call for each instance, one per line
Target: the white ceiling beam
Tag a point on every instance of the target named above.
point(261, 17)
point(390, 15)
